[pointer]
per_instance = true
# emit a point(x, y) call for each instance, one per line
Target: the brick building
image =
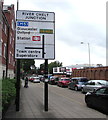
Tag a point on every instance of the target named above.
point(100, 73)
point(0, 37)
point(7, 41)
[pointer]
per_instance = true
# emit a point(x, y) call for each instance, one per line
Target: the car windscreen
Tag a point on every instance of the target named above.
point(83, 80)
point(81, 83)
point(102, 82)
point(65, 79)
point(107, 83)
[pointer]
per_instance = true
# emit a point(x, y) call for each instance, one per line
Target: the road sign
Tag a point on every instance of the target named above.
point(36, 38)
point(35, 35)
point(22, 23)
point(46, 31)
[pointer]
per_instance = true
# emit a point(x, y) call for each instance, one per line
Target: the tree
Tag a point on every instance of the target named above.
point(26, 64)
point(50, 67)
point(41, 69)
point(54, 64)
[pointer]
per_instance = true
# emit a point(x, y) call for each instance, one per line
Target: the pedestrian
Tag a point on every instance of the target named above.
point(26, 82)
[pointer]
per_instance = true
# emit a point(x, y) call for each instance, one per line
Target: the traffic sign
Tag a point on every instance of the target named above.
point(46, 31)
point(36, 38)
point(22, 23)
point(35, 35)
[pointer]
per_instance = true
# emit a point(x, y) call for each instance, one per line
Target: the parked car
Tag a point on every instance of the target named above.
point(63, 82)
point(36, 80)
point(53, 80)
point(42, 78)
point(93, 84)
point(56, 80)
point(77, 82)
point(30, 78)
point(98, 99)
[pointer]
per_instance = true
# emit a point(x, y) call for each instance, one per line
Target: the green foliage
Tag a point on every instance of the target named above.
point(50, 66)
point(54, 64)
point(8, 91)
point(42, 66)
point(25, 65)
point(0, 95)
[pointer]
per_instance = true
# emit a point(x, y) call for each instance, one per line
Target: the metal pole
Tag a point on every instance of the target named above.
point(18, 86)
point(46, 86)
point(89, 61)
point(43, 38)
point(7, 51)
point(89, 54)
point(88, 58)
point(17, 100)
point(17, 4)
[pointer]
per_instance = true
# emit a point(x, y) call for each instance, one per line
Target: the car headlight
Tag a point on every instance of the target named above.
point(88, 93)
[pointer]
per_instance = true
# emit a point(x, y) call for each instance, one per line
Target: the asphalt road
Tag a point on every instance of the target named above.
point(63, 103)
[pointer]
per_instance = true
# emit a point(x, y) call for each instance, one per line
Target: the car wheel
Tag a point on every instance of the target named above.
point(76, 88)
point(88, 103)
point(68, 87)
point(82, 90)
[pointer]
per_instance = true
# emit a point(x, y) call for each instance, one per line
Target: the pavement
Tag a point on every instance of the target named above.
point(32, 107)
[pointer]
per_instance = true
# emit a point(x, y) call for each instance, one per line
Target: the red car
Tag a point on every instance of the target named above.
point(30, 78)
point(63, 82)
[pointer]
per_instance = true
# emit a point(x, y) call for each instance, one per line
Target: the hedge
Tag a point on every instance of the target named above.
point(8, 92)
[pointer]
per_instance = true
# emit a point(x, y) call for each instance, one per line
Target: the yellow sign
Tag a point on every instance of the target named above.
point(46, 31)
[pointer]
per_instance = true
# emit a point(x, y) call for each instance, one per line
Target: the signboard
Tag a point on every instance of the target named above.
point(35, 35)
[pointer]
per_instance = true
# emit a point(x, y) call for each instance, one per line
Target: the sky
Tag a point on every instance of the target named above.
point(76, 21)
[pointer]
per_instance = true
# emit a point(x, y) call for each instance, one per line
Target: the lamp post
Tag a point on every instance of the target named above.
point(89, 58)
point(88, 52)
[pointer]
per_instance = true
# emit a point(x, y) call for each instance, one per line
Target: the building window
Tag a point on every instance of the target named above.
point(13, 24)
point(55, 69)
point(4, 50)
point(0, 47)
point(9, 57)
point(5, 30)
point(10, 38)
point(62, 69)
point(12, 59)
point(3, 26)
point(13, 43)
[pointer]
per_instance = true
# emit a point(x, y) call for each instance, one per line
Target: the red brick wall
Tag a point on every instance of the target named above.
point(10, 15)
point(4, 39)
point(92, 73)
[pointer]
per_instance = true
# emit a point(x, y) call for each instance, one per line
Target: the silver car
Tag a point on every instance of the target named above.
point(93, 85)
point(36, 80)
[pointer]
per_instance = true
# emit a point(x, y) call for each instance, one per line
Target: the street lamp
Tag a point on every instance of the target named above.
point(88, 52)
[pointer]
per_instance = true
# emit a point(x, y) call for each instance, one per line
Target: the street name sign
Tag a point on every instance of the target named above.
point(35, 35)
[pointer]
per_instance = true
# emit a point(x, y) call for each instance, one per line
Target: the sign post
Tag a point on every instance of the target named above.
point(17, 99)
point(35, 39)
point(46, 86)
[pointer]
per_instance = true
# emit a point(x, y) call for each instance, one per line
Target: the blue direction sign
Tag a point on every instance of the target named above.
point(22, 23)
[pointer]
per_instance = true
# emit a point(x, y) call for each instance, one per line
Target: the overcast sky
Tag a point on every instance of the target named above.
point(75, 21)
